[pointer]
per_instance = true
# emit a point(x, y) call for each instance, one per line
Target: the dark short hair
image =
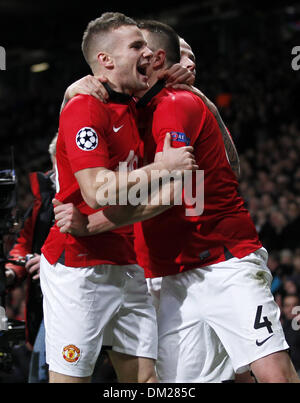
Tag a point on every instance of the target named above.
point(103, 24)
point(164, 37)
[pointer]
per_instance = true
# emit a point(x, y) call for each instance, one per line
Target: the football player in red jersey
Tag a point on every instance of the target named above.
point(213, 265)
point(94, 283)
point(219, 272)
point(217, 363)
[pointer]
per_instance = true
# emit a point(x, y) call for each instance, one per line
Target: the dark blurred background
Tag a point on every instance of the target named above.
point(243, 52)
point(244, 64)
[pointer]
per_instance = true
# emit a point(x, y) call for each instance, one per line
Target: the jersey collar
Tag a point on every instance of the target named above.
point(150, 94)
point(117, 97)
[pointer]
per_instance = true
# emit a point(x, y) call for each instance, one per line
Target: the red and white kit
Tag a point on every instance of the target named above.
point(93, 283)
point(213, 266)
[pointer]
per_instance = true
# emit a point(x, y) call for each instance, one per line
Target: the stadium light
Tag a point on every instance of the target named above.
point(37, 68)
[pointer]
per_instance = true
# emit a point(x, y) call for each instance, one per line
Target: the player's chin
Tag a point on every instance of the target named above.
point(142, 77)
point(142, 84)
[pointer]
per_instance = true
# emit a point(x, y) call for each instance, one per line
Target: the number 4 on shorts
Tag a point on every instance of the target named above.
point(264, 323)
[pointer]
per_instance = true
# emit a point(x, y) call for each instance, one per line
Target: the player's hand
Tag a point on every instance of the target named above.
point(69, 219)
point(181, 158)
point(90, 85)
point(177, 74)
point(33, 266)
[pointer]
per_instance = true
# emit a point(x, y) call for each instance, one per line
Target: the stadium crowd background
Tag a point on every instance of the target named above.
point(243, 64)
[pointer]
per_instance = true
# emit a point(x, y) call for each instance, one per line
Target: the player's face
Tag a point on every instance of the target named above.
point(187, 57)
point(150, 68)
point(131, 58)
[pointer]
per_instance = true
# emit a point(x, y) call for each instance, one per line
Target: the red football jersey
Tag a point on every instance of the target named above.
point(173, 241)
point(93, 134)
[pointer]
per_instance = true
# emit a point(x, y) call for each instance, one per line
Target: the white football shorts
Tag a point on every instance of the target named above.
point(214, 364)
point(154, 286)
point(81, 303)
point(234, 299)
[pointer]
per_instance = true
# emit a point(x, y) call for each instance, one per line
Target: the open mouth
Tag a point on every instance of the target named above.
point(142, 69)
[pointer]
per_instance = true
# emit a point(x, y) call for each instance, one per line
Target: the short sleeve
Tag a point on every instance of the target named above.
point(83, 124)
point(175, 115)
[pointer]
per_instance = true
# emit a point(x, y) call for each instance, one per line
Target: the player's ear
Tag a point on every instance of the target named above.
point(105, 60)
point(159, 58)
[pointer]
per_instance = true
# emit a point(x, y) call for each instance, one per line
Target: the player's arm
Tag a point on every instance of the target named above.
point(92, 85)
point(100, 186)
point(230, 148)
point(119, 216)
point(177, 74)
point(70, 220)
point(84, 124)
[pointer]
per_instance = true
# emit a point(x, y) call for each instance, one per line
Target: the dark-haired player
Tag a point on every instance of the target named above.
point(213, 264)
point(94, 282)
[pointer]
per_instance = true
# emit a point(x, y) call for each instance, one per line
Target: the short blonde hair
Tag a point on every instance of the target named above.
point(102, 25)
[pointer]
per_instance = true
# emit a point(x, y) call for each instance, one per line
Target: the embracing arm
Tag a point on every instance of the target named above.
point(90, 85)
point(69, 219)
point(230, 148)
point(231, 151)
point(100, 186)
point(119, 216)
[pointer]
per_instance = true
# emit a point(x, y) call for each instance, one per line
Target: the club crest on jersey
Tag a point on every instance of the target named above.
point(181, 137)
point(71, 353)
point(87, 139)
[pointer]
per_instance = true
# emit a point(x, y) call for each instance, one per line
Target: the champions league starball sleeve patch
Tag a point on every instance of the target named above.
point(87, 139)
point(180, 138)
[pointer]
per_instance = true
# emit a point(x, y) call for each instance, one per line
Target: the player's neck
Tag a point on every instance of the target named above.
point(152, 81)
point(152, 92)
point(115, 83)
point(116, 95)
point(117, 87)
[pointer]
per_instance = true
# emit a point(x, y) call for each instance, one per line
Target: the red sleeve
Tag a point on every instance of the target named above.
point(83, 123)
point(178, 114)
point(22, 246)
